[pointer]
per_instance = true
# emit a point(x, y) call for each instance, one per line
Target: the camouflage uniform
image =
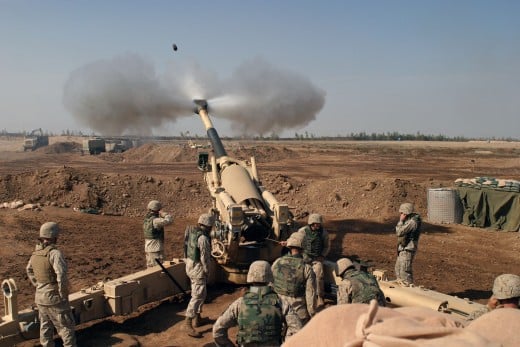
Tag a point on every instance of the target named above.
point(315, 244)
point(153, 227)
point(197, 267)
point(481, 311)
point(408, 232)
point(359, 287)
point(47, 271)
point(252, 327)
point(295, 282)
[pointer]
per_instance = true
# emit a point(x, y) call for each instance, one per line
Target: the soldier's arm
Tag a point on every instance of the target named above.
point(403, 228)
point(326, 244)
point(310, 293)
point(205, 253)
point(162, 221)
point(227, 320)
point(59, 265)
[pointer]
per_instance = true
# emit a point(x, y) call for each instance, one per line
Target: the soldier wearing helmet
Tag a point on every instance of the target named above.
point(47, 271)
point(408, 230)
point(197, 254)
point(357, 286)
point(506, 294)
point(262, 316)
point(153, 228)
point(294, 279)
point(316, 246)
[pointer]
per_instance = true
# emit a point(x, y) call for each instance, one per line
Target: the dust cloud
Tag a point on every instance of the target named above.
point(125, 95)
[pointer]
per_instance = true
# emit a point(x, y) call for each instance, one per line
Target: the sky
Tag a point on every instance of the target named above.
point(327, 68)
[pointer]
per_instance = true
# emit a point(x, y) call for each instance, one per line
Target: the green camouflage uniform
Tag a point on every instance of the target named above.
point(359, 287)
point(47, 271)
point(408, 233)
point(153, 229)
point(295, 281)
point(262, 317)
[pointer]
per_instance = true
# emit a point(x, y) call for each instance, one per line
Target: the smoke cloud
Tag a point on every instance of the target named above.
point(126, 96)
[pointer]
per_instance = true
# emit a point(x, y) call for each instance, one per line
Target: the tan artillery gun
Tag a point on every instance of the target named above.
point(248, 218)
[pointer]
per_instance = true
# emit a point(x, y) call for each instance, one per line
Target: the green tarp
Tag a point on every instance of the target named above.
point(488, 208)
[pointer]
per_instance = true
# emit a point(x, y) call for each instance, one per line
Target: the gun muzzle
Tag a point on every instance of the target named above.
point(201, 108)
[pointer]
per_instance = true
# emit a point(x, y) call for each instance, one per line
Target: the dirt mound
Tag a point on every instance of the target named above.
point(62, 147)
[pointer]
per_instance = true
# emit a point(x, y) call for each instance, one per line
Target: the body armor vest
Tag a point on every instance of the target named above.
point(289, 276)
point(312, 242)
point(43, 271)
point(149, 231)
point(192, 248)
point(413, 235)
point(364, 287)
point(260, 317)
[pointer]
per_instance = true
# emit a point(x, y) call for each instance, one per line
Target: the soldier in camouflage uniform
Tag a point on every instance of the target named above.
point(153, 228)
point(506, 293)
point(408, 230)
point(261, 315)
point(197, 257)
point(357, 286)
point(294, 280)
point(316, 246)
point(47, 271)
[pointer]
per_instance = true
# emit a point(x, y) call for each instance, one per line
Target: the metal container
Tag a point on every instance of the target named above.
point(444, 206)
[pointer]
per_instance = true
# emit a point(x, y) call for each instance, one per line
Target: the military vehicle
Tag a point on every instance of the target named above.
point(35, 140)
point(94, 146)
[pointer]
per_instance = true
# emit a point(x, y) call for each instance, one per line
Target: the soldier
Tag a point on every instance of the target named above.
point(357, 286)
point(316, 246)
point(260, 314)
point(294, 280)
point(408, 230)
point(506, 293)
point(153, 227)
point(197, 257)
point(47, 271)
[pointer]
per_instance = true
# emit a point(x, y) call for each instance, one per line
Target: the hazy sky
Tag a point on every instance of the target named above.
point(326, 67)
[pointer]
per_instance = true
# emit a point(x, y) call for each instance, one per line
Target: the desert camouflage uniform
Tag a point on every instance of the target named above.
point(47, 271)
point(359, 287)
point(290, 323)
point(153, 227)
point(197, 268)
point(408, 233)
point(481, 311)
point(295, 282)
point(313, 250)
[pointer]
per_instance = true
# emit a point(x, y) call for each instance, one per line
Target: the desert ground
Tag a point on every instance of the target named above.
point(356, 186)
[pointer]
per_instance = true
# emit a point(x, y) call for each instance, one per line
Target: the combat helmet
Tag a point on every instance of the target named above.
point(506, 286)
point(406, 208)
point(315, 218)
point(260, 271)
point(206, 219)
point(295, 240)
point(154, 205)
point(49, 230)
point(342, 265)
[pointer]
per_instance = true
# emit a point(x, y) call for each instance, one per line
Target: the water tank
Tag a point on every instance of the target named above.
point(444, 206)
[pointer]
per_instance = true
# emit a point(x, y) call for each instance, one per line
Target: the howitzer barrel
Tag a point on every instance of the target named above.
point(216, 143)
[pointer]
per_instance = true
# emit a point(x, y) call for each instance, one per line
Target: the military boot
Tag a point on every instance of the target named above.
point(188, 327)
point(199, 321)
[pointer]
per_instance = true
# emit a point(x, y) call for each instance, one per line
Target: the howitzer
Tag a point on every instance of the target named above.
point(246, 213)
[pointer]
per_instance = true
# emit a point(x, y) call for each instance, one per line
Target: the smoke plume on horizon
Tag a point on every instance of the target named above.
point(125, 95)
